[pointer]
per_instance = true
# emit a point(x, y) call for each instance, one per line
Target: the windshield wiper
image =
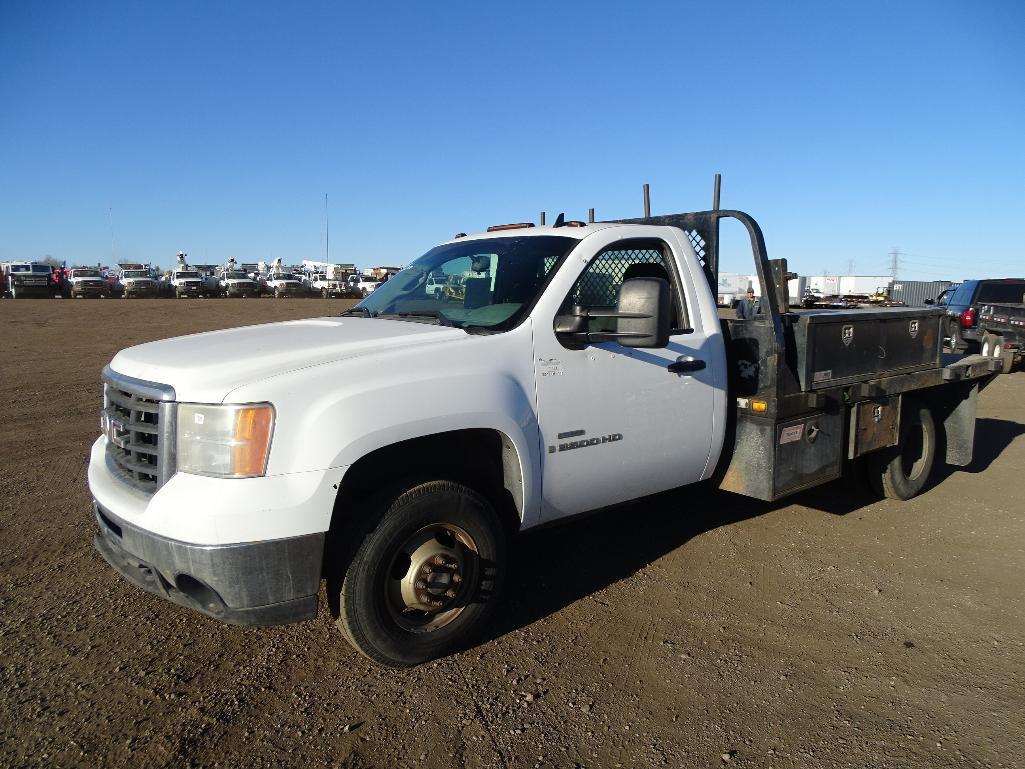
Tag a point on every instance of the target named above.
point(363, 311)
point(443, 319)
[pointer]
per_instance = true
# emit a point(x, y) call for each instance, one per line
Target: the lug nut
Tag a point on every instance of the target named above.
point(450, 593)
point(457, 578)
point(439, 559)
point(420, 585)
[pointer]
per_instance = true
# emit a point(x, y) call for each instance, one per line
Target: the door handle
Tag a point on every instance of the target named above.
point(686, 366)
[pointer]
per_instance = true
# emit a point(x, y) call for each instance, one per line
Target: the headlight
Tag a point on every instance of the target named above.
point(224, 441)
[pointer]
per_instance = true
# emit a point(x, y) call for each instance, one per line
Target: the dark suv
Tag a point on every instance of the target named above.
point(962, 307)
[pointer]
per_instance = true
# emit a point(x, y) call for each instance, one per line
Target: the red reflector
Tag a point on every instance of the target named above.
point(517, 226)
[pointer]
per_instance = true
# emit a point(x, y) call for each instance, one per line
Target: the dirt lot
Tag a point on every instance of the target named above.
point(687, 630)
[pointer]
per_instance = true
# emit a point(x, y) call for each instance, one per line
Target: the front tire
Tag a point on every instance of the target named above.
point(426, 575)
point(902, 471)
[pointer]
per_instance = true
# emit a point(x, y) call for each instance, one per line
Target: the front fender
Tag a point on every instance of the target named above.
point(330, 416)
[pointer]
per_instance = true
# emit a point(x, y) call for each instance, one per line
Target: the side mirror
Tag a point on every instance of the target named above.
point(644, 311)
point(930, 302)
point(642, 314)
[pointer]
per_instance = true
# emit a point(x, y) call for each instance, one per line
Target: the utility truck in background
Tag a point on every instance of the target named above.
point(86, 282)
point(363, 285)
point(187, 282)
point(26, 280)
point(137, 280)
point(236, 283)
point(283, 284)
point(583, 366)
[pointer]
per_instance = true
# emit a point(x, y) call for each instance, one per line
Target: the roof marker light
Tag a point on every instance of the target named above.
point(516, 226)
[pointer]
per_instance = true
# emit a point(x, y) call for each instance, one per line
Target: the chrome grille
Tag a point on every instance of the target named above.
point(138, 420)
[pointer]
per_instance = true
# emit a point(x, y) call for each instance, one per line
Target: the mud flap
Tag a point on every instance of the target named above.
point(958, 411)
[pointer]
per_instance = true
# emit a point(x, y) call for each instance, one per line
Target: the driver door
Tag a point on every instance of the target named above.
point(615, 422)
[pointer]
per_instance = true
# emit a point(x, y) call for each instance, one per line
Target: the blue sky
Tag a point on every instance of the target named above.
point(217, 128)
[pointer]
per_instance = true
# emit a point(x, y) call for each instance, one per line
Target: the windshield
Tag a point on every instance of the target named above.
point(136, 274)
point(85, 273)
point(282, 276)
point(41, 268)
point(187, 275)
point(236, 275)
point(1002, 293)
point(486, 284)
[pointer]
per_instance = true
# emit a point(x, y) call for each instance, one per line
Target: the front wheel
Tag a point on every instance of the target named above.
point(902, 471)
point(425, 578)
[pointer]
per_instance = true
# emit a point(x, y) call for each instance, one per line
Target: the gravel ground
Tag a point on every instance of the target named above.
point(689, 629)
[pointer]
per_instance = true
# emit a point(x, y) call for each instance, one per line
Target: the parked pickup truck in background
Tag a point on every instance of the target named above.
point(963, 303)
point(584, 365)
point(283, 284)
point(236, 283)
point(363, 285)
point(138, 282)
point(187, 283)
point(326, 286)
point(86, 282)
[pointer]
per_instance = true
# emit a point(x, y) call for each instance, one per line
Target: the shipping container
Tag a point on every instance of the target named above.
point(913, 293)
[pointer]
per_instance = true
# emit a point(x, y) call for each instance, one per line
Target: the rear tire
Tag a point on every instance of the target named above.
point(438, 542)
point(957, 341)
point(993, 347)
point(902, 471)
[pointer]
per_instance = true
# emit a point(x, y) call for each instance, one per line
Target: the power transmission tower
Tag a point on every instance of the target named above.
point(894, 262)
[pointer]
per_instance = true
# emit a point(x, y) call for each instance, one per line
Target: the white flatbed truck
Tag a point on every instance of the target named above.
point(585, 366)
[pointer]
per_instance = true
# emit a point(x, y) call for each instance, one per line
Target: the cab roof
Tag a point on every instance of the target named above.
point(577, 232)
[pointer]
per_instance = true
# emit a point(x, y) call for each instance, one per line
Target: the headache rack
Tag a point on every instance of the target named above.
point(138, 421)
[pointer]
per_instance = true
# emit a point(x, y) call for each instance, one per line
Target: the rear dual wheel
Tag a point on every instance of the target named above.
point(902, 471)
point(425, 575)
point(993, 347)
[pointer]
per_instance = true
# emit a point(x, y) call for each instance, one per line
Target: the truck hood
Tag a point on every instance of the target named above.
point(206, 367)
